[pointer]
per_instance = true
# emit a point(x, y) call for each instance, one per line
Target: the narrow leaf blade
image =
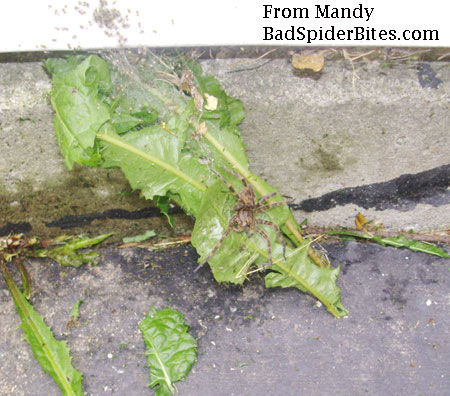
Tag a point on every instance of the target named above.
point(140, 237)
point(53, 356)
point(400, 241)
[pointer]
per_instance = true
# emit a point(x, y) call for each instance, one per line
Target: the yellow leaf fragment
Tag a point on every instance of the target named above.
point(211, 102)
point(312, 62)
point(360, 222)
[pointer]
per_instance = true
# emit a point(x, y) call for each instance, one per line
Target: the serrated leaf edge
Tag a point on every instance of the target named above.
point(25, 308)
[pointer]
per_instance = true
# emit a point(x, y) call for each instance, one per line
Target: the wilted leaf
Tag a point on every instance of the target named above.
point(396, 241)
point(52, 355)
point(171, 350)
point(68, 254)
point(141, 237)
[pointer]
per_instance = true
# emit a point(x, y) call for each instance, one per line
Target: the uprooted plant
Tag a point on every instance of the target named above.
point(174, 133)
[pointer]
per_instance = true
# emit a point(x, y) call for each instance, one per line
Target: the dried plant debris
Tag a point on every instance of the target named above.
point(314, 62)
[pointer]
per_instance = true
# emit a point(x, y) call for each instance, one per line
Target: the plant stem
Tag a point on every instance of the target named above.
point(290, 223)
point(128, 147)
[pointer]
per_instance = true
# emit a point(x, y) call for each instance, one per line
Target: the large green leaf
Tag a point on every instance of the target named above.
point(52, 355)
point(153, 162)
point(80, 111)
point(171, 350)
point(299, 271)
point(238, 251)
point(86, 74)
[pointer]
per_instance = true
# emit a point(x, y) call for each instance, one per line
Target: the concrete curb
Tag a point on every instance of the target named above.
point(350, 128)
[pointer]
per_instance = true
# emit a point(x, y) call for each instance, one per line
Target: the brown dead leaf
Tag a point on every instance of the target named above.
point(187, 81)
point(312, 62)
point(198, 98)
point(187, 85)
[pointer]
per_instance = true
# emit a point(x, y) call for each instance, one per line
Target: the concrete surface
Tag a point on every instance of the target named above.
point(252, 341)
point(360, 139)
point(373, 139)
point(345, 128)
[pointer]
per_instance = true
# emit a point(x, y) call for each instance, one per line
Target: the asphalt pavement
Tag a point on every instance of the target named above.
point(251, 340)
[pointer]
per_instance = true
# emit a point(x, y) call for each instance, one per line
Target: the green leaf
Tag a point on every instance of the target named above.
point(124, 122)
point(68, 254)
point(75, 311)
point(237, 252)
point(152, 161)
point(417, 246)
point(228, 138)
point(80, 111)
point(299, 271)
point(230, 111)
point(171, 350)
point(163, 204)
point(396, 241)
point(141, 237)
point(52, 355)
point(86, 74)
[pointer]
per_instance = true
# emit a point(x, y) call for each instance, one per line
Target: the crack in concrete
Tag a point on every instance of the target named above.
point(402, 193)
